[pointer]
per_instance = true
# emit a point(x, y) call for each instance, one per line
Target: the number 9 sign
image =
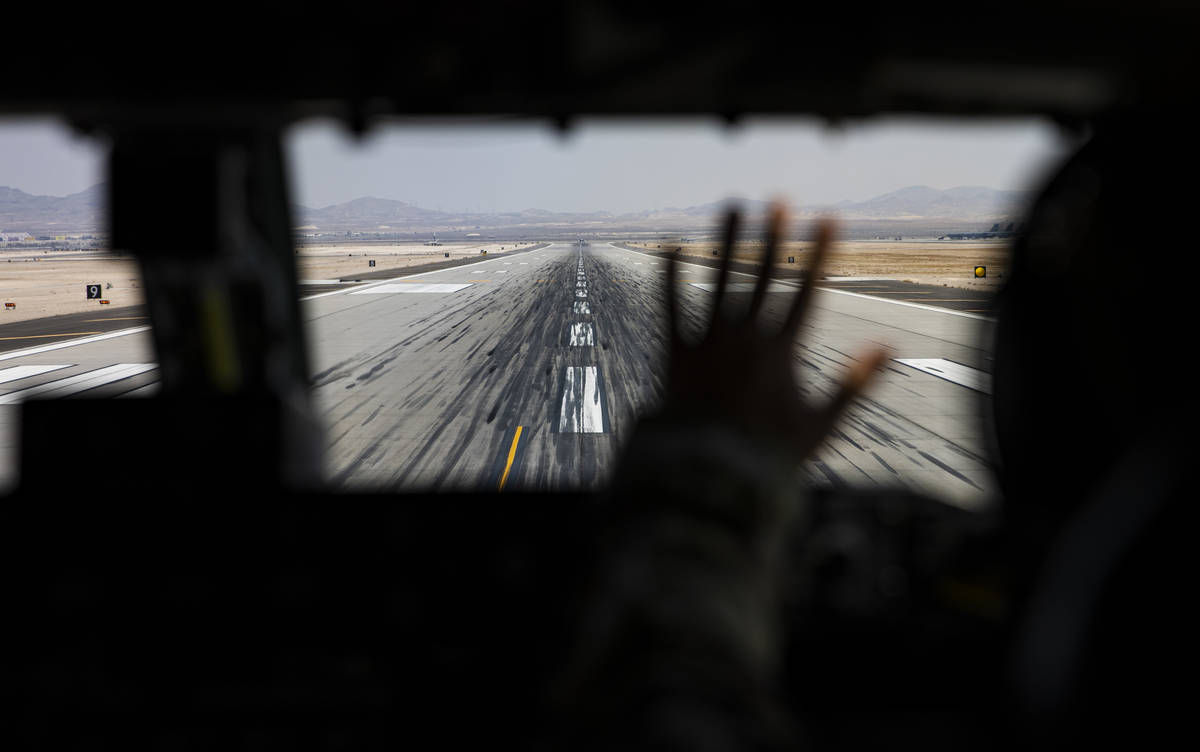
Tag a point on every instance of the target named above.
point(93, 292)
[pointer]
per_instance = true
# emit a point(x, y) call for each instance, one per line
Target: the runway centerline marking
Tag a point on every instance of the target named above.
point(582, 408)
point(582, 335)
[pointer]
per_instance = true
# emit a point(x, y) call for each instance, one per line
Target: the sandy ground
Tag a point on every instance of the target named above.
point(53, 284)
point(315, 262)
point(934, 262)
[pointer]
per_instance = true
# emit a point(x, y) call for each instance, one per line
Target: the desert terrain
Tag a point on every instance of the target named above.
point(336, 260)
point(931, 262)
point(53, 283)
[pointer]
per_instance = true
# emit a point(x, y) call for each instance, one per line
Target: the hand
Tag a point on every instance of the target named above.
point(743, 374)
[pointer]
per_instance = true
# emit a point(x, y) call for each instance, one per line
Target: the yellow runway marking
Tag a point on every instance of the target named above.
point(512, 452)
point(44, 336)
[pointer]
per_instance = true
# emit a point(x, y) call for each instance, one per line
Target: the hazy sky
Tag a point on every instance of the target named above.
point(614, 166)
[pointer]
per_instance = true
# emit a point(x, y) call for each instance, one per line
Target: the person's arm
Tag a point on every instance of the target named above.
point(680, 644)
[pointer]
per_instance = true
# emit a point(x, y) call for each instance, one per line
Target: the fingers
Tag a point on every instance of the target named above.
point(856, 380)
point(803, 300)
point(774, 230)
point(732, 220)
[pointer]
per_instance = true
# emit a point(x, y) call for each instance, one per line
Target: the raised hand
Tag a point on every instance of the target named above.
point(741, 371)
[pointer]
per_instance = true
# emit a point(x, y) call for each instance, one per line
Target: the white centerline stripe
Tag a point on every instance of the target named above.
point(582, 409)
point(582, 335)
point(971, 378)
point(80, 383)
point(581, 306)
point(16, 373)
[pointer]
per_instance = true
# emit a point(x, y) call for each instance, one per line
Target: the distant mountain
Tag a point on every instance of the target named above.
point(922, 202)
point(84, 211)
point(79, 212)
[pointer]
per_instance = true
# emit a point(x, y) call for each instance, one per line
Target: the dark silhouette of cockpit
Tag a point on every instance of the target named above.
point(222, 598)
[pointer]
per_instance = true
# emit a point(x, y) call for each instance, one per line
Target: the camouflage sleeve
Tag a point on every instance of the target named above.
point(680, 641)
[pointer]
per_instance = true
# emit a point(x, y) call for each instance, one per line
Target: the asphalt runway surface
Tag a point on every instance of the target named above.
point(24, 334)
point(530, 370)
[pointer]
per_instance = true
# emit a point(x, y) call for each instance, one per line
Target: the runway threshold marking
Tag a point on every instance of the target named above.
point(512, 453)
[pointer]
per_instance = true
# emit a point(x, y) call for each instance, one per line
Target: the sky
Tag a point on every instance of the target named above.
point(616, 166)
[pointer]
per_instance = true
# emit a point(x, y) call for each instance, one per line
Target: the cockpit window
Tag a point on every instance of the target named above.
point(484, 301)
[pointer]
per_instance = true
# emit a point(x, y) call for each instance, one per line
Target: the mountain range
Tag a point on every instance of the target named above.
point(84, 212)
point(78, 212)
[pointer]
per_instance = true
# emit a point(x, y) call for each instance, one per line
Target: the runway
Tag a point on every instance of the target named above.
point(425, 382)
point(530, 371)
